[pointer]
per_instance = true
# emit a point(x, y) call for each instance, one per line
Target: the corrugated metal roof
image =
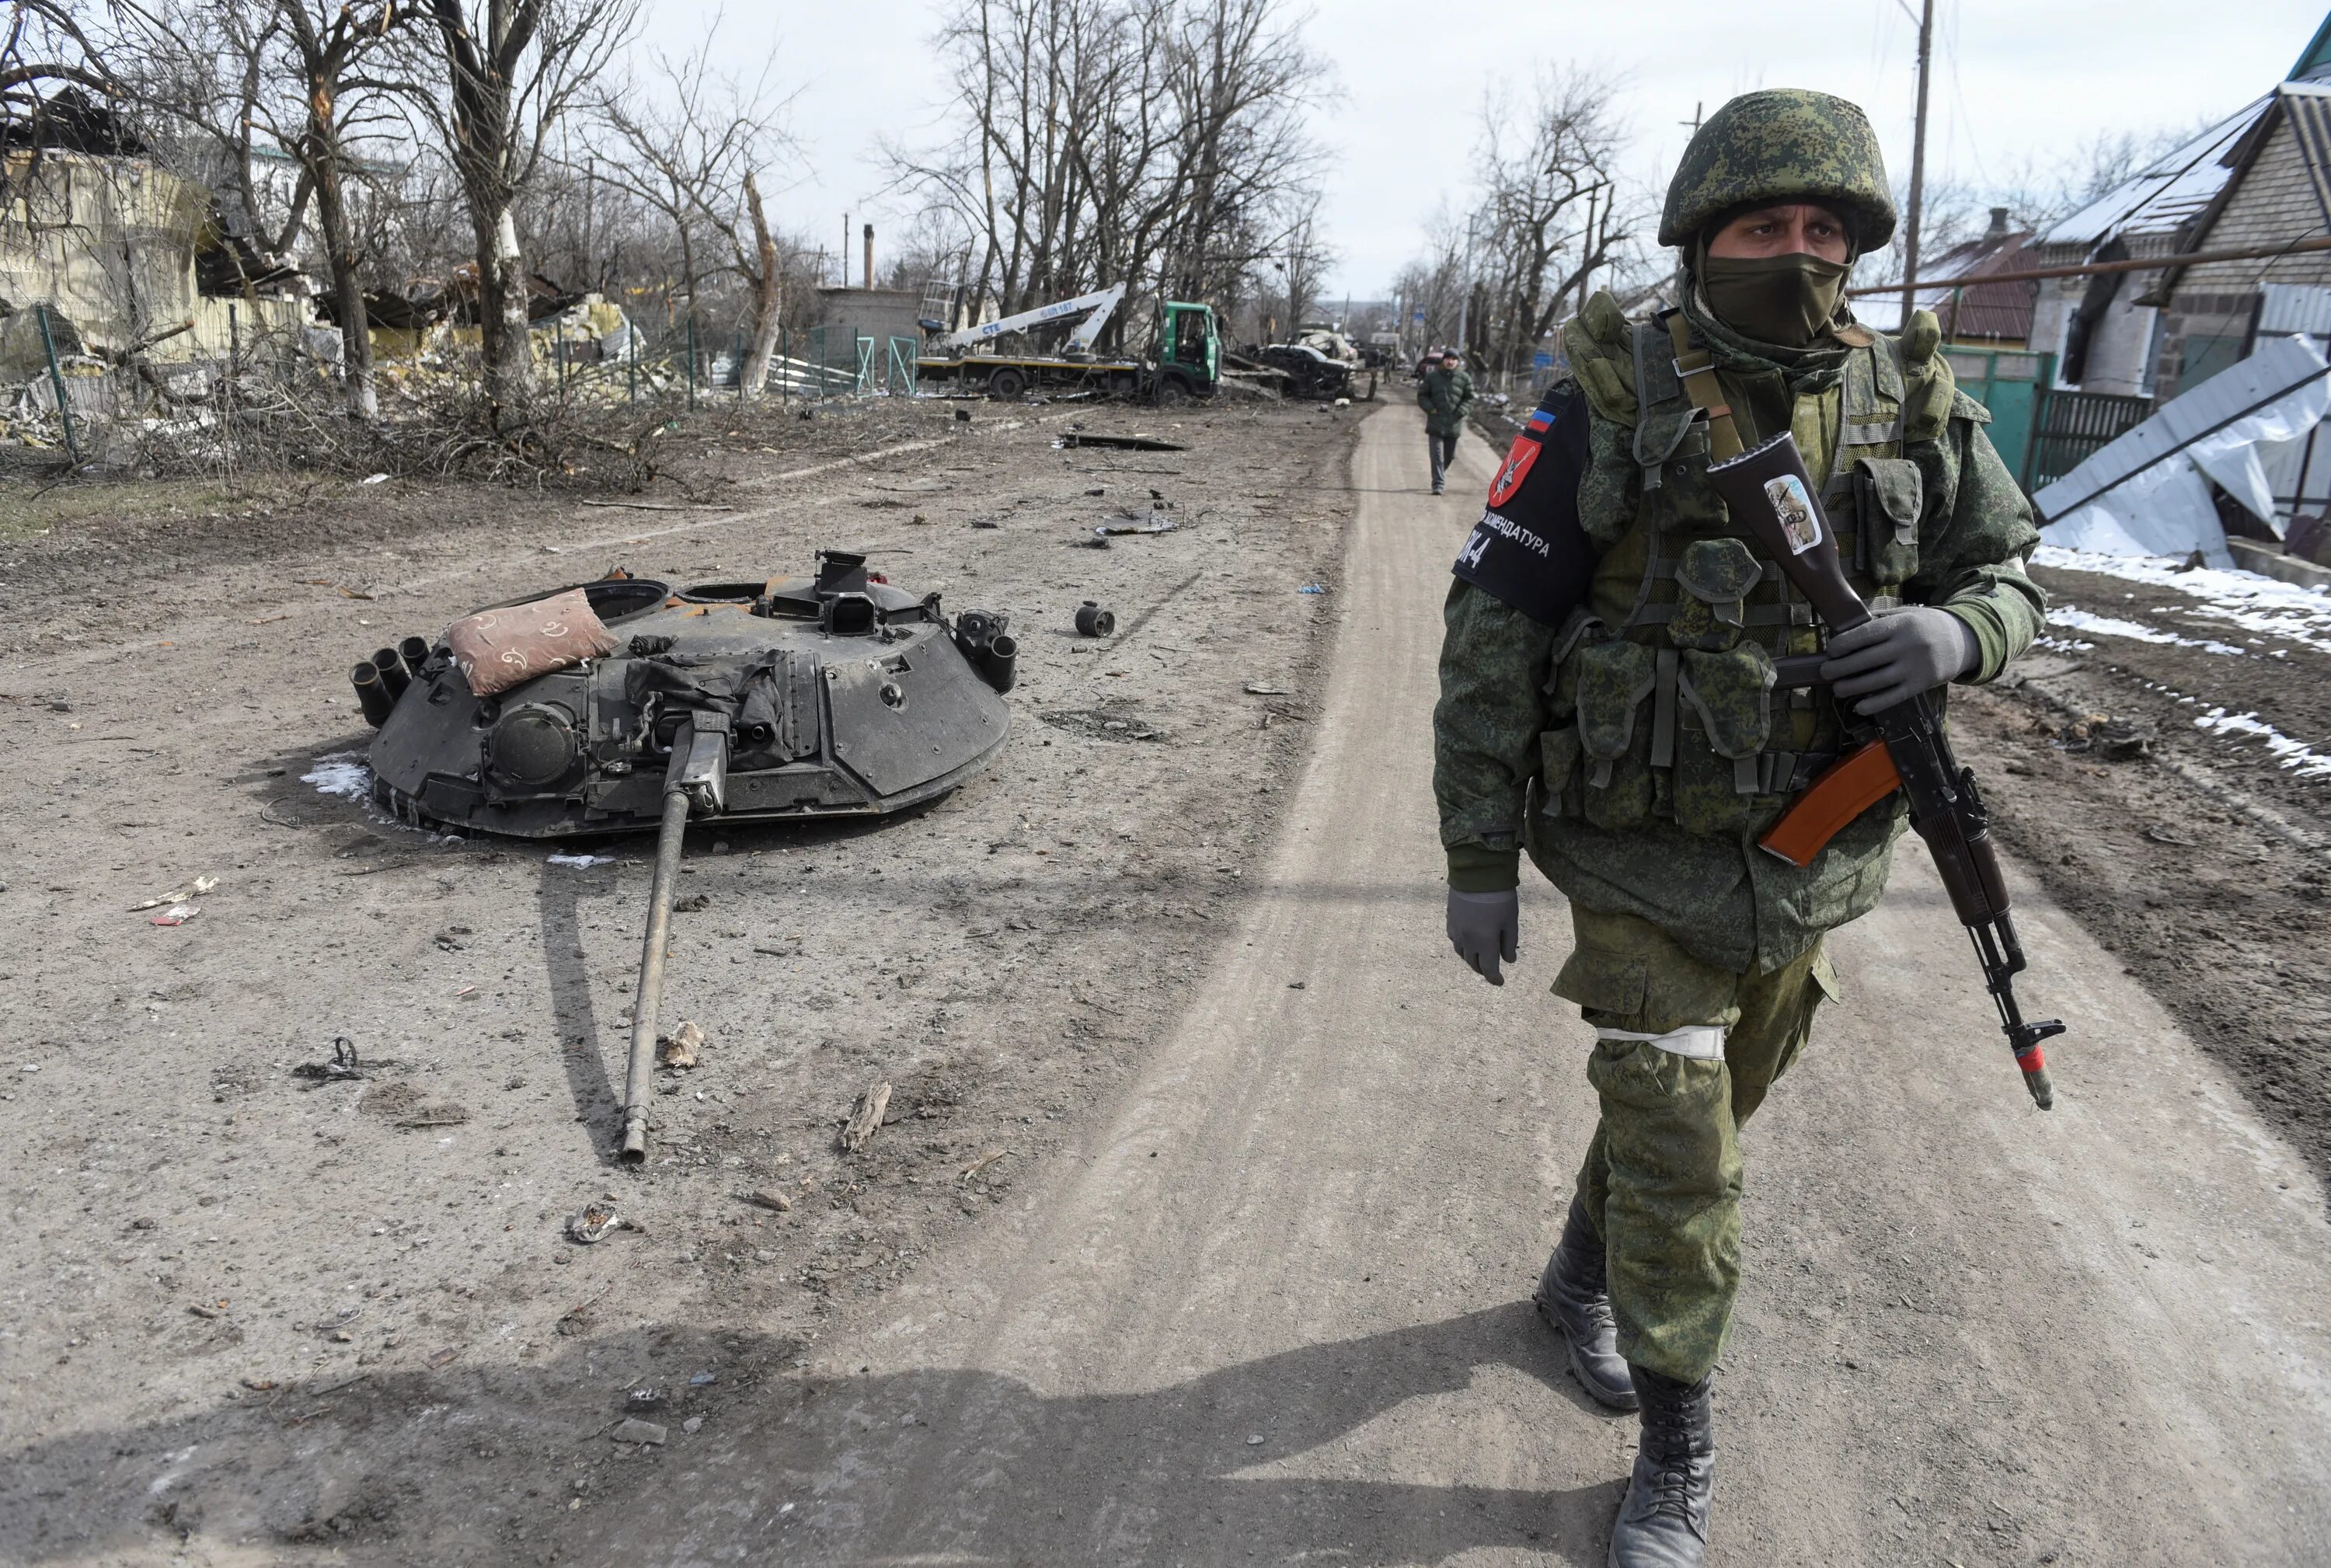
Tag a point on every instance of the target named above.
point(2289, 308)
point(2166, 192)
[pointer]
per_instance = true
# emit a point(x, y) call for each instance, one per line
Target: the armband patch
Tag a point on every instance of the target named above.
point(1529, 550)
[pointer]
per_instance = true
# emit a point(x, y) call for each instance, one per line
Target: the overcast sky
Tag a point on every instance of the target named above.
point(2015, 81)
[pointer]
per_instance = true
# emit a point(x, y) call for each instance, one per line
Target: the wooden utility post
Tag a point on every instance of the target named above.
point(1917, 163)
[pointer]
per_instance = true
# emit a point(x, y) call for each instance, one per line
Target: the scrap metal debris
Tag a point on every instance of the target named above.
point(592, 1224)
point(1092, 620)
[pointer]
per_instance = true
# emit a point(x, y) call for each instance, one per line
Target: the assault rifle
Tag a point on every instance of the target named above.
point(1902, 747)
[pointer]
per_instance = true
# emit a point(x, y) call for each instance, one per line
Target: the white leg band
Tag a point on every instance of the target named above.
point(1701, 1041)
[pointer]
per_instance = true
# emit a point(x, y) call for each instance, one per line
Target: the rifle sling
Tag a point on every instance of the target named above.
point(1696, 368)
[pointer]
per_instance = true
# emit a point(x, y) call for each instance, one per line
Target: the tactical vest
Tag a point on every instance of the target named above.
point(1662, 686)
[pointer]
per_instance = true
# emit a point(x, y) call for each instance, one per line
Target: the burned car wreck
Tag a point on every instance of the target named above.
point(626, 703)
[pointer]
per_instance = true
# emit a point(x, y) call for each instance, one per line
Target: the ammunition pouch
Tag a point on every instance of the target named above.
point(1888, 493)
point(1726, 697)
point(1715, 575)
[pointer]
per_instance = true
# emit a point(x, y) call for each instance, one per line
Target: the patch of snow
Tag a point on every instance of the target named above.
point(2080, 619)
point(2266, 605)
point(344, 773)
point(2295, 755)
point(581, 860)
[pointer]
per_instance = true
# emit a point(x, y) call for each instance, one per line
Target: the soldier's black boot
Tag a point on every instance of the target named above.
point(1573, 1296)
point(1663, 1520)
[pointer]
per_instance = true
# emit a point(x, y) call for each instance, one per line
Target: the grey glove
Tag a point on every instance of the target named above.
point(1896, 654)
point(1485, 928)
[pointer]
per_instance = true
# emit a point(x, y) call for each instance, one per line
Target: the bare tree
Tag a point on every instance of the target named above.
point(43, 45)
point(512, 69)
point(1160, 143)
point(687, 144)
point(1550, 212)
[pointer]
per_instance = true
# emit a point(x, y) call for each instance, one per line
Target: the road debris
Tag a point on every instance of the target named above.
point(770, 1198)
point(682, 1048)
point(343, 1066)
point(866, 1118)
point(1077, 438)
point(632, 1430)
point(1157, 523)
point(592, 1224)
point(1092, 620)
point(193, 890)
point(981, 1163)
point(175, 914)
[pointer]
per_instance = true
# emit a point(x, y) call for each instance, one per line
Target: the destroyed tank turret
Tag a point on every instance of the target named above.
point(840, 695)
point(624, 704)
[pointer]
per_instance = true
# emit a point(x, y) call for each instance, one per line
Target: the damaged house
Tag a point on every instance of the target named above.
point(126, 257)
point(2126, 343)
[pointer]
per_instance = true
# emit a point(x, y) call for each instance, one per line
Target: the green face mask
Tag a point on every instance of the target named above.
point(1787, 301)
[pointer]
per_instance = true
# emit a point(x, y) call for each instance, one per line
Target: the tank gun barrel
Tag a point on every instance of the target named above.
point(697, 781)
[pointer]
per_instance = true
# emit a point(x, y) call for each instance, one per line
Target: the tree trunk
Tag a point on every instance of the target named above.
point(509, 351)
point(767, 300)
point(347, 292)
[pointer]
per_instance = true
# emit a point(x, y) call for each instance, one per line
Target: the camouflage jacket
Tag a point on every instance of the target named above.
point(1562, 543)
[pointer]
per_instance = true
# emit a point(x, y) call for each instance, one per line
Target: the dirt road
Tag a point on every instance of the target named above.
point(1273, 1308)
point(1267, 1301)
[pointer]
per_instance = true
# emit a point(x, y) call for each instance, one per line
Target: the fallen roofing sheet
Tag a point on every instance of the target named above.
point(2145, 492)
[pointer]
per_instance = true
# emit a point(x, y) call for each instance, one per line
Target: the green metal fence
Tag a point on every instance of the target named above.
point(2072, 424)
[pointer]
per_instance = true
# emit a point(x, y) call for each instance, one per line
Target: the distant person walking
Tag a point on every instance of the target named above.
point(1446, 393)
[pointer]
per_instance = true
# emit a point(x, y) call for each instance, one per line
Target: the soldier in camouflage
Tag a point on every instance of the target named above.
point(1607, 704)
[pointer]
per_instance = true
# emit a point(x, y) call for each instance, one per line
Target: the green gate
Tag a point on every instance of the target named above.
point(2011, 383)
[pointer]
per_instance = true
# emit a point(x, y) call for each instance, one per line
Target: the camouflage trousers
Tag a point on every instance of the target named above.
point(1662, 1175)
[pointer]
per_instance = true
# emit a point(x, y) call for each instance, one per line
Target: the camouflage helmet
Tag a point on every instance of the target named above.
point(1783, 144)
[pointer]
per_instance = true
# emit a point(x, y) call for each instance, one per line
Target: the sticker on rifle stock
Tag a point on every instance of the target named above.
point(1795, 508)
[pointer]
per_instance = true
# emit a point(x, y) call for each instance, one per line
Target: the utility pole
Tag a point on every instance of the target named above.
point(1917, 162)
point(845, 250)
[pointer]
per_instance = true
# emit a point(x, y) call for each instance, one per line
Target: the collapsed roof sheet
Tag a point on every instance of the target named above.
point(2145, 492)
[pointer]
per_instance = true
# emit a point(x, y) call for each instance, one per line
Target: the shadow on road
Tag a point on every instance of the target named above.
point(924, 1466)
